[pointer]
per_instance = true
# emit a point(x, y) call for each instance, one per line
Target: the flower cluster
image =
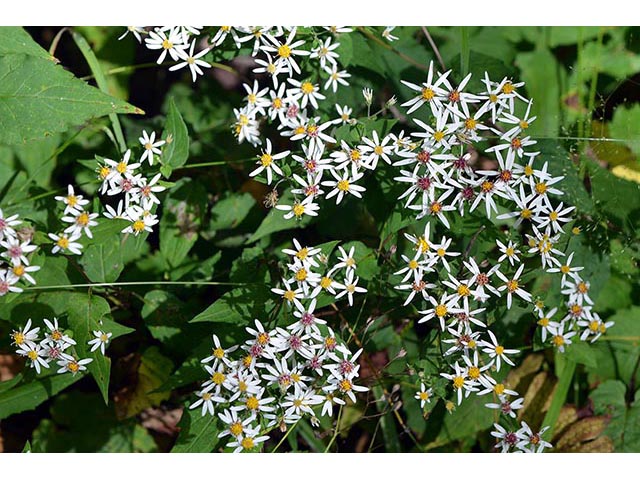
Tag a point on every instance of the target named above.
point(522, 440)
point(306, 284)
point(53, 347)
point(281, 374)
point(14, 255)
point(136, 193)
point(443, 180)
point(80, 221)
point(178, 43)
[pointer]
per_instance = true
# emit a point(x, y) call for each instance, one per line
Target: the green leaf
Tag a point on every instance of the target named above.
point(238, 306)
point(103, 262)
point(198, 434)
point(274, 221)
point(176, 151)
point(84, 313)
point(469, 417)
point(616, 198)
point(32, 394)
point(345, 50)
point(540, 72)
point(17, 40)
point(39, 99)
point(625, 126)
point(624, 424)
point(180, 223)
point(229, 211)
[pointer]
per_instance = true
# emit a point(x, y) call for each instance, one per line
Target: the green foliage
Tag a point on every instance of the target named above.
point(611, 398)
point(32, 84)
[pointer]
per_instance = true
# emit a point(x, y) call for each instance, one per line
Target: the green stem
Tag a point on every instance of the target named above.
point(212, 164)
point(121, 284)
point(289, 430)
point(464, 51)
point(335, 432)
point(559, 397)
point(594, 82)
point(101, 81)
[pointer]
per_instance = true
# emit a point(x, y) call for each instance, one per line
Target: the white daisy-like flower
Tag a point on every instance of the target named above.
point(266, 162)
point(66, 243)
point(73, 203)
point(150, 146)
point(100, 341)
point(192, 61)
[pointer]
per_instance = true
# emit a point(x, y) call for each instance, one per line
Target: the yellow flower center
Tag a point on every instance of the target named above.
point(236, 429)
point(218, 353)
point(325, 282)
point(510, 252)
point(583, 287)
point(541, 188)
point(277, 103)
point(266, 160)
point(138, 226)
point(463, 290)
point(104, 172)
point(284, 51)
point(72, 200)
point(289, 295)
point(18, 270)
point(441, 252)
point(413, 264)
point(528, 170)
point(470, 124)
point(498, 388)
point(263, 338)
point(252, 403)
point(298, 210)
point(345, 385)
point(166, 44)
point(63, 242)
point(441, 310)
point(343, 185)
point(458, 382)
point(428, 94)
point(424, 395)
point(18, 338)
point(121, 167)
point(422, 244)
point(493, 98)
point(436, 207)
point(251, 98)
point(508, 88)
point(218, 378)
point(543, 322)
point(247, 443)
point(524, 124)
point(32, 355)
point(302, 253)
point(104, 337)
point(301, 275)
point(307, 88)
point(83, 219)
point(558, 340)
point(499, 350)
point(438, 135)
point(378, 150)
point(73, 366)
point(594, 325)
point(56, 335)
point(474, 372)
point(512, 285)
